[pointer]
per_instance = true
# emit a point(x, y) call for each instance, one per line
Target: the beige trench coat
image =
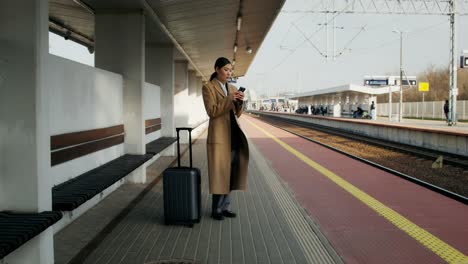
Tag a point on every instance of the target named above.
point(218, 107)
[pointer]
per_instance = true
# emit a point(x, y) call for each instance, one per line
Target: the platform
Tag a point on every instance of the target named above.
point(304, 204)
point(460, 127)
point(367, 214)
point(270, 228)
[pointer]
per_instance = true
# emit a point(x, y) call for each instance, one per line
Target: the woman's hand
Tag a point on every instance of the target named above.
point(237, 96)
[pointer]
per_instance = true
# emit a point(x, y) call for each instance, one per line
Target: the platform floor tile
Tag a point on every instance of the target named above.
point(270, 227)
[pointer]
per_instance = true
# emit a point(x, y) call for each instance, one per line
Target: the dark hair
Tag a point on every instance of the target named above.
point(220, 62)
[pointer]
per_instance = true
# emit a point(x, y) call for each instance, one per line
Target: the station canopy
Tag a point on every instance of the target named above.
point(202, 30)
point(347, 90)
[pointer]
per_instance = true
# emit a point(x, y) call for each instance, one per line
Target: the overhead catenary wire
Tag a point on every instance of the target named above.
point(391, 42)
point(351, 41)
point(310, 42)
point(295, 22)
point(385, 7)
point(303, 42)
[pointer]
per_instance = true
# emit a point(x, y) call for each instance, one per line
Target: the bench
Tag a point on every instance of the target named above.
point(74, 192)
point(158, 145)
point(18, 228)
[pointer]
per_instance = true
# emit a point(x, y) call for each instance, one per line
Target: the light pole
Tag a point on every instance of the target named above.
point(453, 65)
point(400, 106)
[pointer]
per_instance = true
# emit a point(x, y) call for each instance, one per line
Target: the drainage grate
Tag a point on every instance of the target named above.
point(175, 261)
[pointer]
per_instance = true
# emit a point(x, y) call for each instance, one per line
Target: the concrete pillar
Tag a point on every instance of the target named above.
point(160, 71)
point(192, 83)
point(194, 113)
point(199, 100)
point(25, 185)
point(199, 85)
point(181, 97)
point(336, 110)
point(120, 48)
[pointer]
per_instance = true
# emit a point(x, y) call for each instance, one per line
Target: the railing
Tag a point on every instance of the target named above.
point(429, 110)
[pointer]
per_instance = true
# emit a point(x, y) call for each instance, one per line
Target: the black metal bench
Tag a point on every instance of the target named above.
point(73, 193)
point(158, 145)
point(18, 228)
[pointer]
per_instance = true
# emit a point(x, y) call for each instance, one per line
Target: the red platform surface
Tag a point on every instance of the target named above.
point(358, 233)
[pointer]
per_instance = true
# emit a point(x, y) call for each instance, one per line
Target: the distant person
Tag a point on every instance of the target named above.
point(372, 111)
point(227, 147)
point(358, 113)
point(446, 110)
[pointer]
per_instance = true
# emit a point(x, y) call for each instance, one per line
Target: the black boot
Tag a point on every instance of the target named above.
point(217, 216)
point(214, 208)
point(229, 214)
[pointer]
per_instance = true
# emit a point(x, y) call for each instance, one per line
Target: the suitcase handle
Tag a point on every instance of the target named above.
point(189, 129)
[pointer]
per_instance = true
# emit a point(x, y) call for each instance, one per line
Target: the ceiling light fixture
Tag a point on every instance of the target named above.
point(239, 22)
point(248, 49)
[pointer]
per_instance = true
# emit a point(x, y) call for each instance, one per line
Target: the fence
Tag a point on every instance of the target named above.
point(431, 110)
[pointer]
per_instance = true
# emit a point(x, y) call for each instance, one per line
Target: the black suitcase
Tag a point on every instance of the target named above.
point(182, 190)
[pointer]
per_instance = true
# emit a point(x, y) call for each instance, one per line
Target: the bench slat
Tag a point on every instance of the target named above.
point(71, 194)
point(18, 228)
point(158, 145)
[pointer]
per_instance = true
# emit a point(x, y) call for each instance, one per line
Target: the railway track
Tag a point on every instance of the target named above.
point(448, 158)
point(453, 187)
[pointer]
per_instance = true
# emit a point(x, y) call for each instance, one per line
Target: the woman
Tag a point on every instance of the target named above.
point(227, 147)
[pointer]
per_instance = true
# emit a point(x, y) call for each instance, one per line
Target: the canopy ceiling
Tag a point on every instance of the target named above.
point(202, 30)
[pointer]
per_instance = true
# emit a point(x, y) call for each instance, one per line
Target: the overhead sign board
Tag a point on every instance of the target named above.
point(374, 82)
point(408, 82)
point(423, 86)
point(383, 80)
point(464, 61)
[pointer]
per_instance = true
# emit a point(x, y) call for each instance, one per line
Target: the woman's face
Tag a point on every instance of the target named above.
point(224, 73)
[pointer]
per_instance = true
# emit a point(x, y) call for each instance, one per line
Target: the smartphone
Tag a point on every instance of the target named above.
point(241, 89)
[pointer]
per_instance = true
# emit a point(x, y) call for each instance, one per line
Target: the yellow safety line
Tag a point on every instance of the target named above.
point(439, 247)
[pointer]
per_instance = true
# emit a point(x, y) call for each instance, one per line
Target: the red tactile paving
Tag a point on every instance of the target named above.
point(358, 234)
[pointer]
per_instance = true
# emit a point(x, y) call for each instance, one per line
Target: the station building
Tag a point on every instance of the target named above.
point(345, 99)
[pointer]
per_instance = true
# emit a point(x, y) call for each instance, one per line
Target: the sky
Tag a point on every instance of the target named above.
point(286, 62)
point(69, 49)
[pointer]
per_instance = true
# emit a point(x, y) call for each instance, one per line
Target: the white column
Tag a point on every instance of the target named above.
point(194, 113)
point(199, 86)
point(181, 97)
point(160, 71)
point(199, 100)
point(25, 185)
point(120, 48)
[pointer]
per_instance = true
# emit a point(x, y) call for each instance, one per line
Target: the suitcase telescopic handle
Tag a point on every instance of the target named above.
point(189, 129)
